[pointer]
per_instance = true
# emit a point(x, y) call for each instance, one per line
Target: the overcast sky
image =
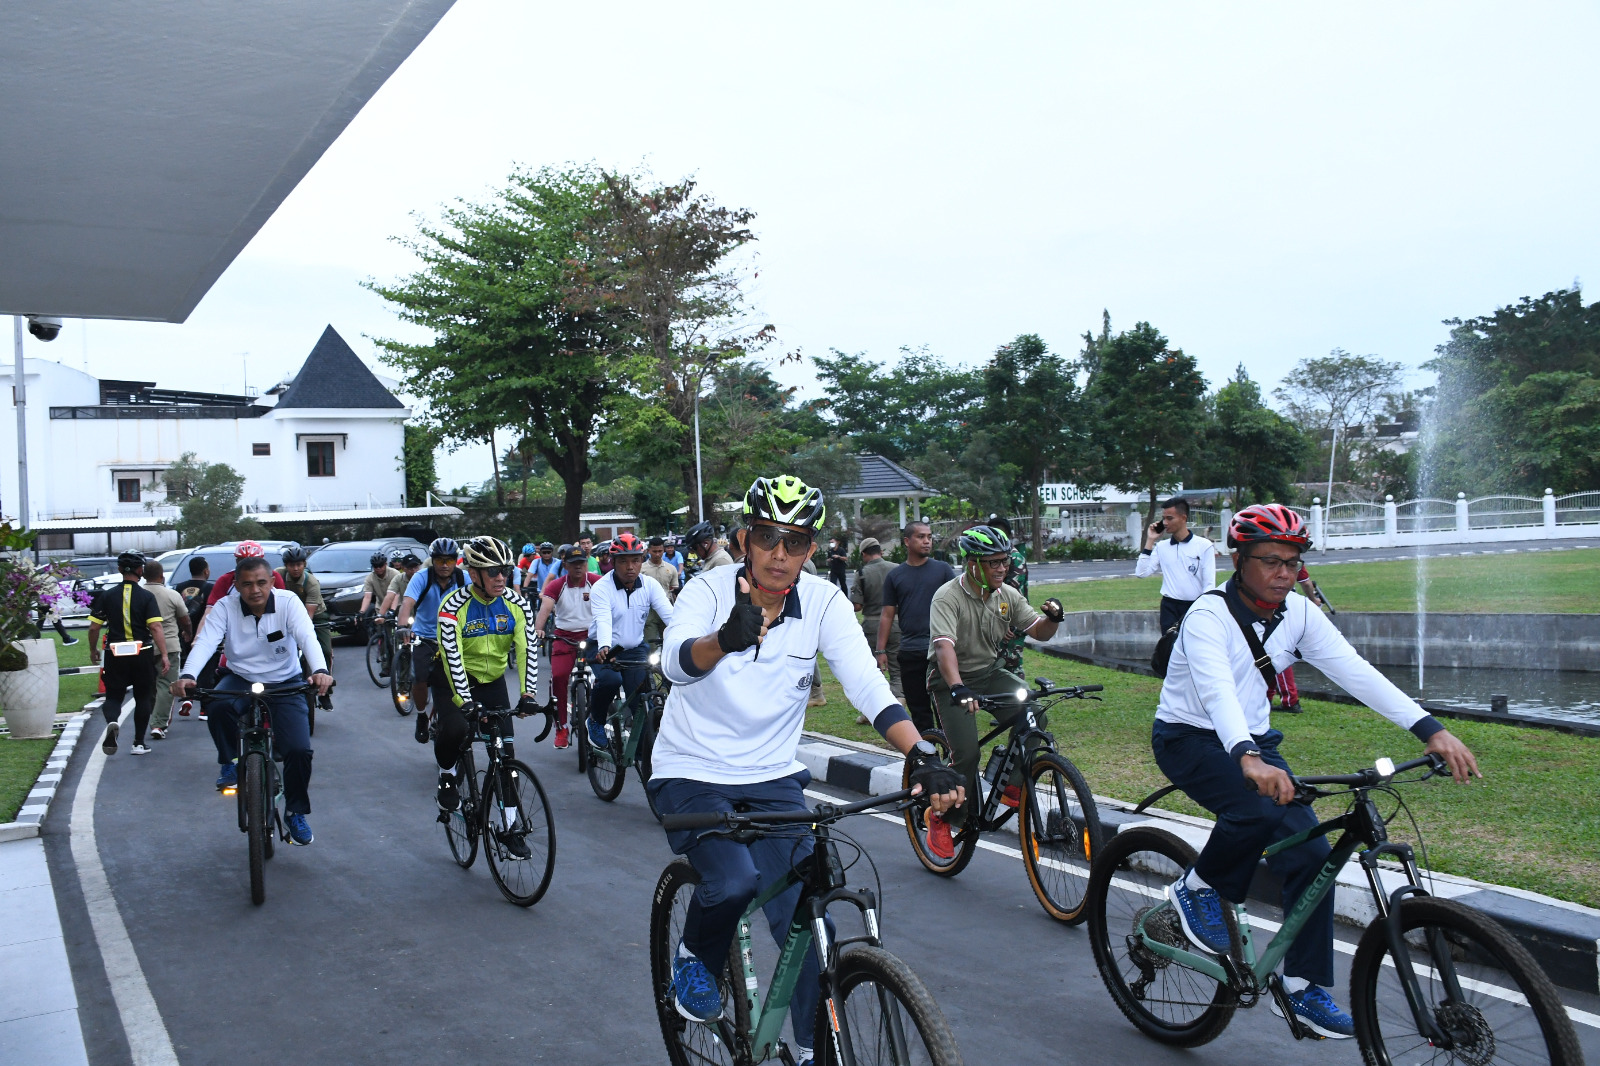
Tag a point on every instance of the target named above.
point(1263, 183)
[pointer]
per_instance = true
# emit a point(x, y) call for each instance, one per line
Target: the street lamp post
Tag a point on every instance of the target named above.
point(21, 386)
point(699, 486)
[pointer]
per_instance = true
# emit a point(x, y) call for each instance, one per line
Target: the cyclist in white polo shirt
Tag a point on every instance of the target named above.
point(1186, 561)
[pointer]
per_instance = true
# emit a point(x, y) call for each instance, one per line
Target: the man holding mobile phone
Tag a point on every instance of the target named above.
point(1186, 561)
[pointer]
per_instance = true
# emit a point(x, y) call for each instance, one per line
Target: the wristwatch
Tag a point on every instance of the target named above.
point(924, 750)
point(1250, 751)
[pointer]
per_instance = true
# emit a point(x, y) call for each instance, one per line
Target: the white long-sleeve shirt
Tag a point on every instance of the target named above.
point(265, 649)
point(620, 614)
point(1212, 681)
point(1188, 568)
point(740, 722)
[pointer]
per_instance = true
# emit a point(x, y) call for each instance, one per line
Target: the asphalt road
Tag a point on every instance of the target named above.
point(373, 947)
point(1046, 573)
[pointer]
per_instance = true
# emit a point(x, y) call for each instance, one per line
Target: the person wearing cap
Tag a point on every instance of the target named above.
point(674, 555)
point(567, 599)
point(136, 641)
point(665, 575)
point(868, 599)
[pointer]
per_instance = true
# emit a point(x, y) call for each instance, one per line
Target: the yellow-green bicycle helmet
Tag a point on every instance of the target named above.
point(786, 500)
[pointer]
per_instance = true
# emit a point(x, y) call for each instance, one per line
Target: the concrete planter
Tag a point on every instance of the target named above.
point(28, 697)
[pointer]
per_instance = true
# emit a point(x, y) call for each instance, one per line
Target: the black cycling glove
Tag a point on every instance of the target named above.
point(1052, 609)
point(960, 694)
point(933, 774)
point(742, 630)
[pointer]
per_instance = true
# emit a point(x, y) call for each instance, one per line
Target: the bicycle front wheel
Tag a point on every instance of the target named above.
point(1485, 992)
point(882, 1014)
point(515, 809)
point(1127, 891)
point(916, 817)
point(400, 681)
point(256, 827)
point(375, 657)
point(577, 719)
point(691, 1043)
point(606, 772)
point(1060, 830)
point(461, 824)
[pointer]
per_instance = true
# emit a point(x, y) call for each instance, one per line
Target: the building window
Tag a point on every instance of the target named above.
point(319, 458)
point(260, 449)
point(54, 542)
point(127, 490)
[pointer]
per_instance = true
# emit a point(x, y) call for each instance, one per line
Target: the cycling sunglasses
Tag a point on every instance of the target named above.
point(767, 537)
point(498, 571)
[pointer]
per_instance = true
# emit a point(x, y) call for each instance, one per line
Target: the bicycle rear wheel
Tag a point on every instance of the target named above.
point(514, 802)
point(255, 789)
point(1167, 1001)
point(885, 1016)
point(461, 824)
point(577, 719)
point(375, 657)
point(692, 1043)
point(1060, 830)
point(606, 772)
point(917, 822)
point(1482, 1015)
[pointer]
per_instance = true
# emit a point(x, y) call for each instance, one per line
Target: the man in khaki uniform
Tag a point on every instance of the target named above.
point(968, 621)
point(175, 626)
point(305, 585)
point(868, 599)
point(666, 575)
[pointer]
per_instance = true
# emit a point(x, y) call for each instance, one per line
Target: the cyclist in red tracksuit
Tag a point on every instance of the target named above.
point(568, 597)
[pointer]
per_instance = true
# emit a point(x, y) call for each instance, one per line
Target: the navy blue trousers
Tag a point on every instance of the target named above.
point(731, 875)
point(631, 666)
point(291, 736)
point(1195, 760)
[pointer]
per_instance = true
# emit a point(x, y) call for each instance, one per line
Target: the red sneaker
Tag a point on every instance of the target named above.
point(940, 843)
point(183, 709)
point(561, 736)
point(1012, 796)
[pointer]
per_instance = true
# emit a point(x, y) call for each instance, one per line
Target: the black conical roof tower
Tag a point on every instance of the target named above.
point(334, 376)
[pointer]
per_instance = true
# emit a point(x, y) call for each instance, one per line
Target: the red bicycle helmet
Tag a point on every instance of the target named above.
point(249, 549)
point(1268, 521)
point(626, 544)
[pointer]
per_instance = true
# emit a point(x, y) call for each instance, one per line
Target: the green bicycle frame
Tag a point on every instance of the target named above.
point(785, 976)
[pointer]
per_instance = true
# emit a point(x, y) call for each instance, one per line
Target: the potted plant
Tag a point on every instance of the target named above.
point(30, 594)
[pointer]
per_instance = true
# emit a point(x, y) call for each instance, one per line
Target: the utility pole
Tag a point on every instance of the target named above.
point(699, 486)
point(21, 388)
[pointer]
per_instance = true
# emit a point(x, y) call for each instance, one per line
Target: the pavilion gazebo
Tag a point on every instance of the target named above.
point(884, 479)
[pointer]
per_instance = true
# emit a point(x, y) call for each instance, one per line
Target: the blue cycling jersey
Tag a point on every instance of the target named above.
point(426, 591)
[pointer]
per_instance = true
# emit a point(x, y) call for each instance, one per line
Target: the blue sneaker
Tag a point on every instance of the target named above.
point(1201, 915)
point(229, 778)
point(694, 990)
point(1316, 1009)
point(597, 735)
point(299, 829)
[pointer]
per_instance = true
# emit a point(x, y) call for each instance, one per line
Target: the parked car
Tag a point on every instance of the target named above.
point(341, 567)
point(218, 556)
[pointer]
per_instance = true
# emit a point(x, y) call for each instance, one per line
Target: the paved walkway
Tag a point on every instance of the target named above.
point(39, 1010)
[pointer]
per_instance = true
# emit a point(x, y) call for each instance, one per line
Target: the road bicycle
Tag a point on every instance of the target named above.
point(260, 782)
point(873, 1009)
point(1057, 821)
point(504, 800)
point(631, 728)
point(1432, 979)
point(380, 649)
point(401, 670)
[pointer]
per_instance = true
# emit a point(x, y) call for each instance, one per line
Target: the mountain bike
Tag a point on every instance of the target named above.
point(1432, 979)
point(401, 671)
point(632, 734)
point(380, 649)
point(502, 800)
point(260, 782)
point(1057, 820)
point(873, 1008)
point(580, 687)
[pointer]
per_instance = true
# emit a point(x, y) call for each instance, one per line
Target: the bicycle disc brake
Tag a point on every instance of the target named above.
point(1472, 1039)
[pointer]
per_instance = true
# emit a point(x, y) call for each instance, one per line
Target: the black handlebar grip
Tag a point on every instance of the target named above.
point(1091, 688)
point(698, 820)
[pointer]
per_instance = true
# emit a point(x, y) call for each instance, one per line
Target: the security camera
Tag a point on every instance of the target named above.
point(44, 327)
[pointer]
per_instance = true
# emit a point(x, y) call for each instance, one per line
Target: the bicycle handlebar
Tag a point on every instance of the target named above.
point(734, 820)
point(1370, 776)
point(1072, 692)
point(296, 689)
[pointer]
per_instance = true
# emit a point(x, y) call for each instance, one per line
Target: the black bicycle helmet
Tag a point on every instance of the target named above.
point(129, 561)
point(378, 559)
point(1000, 522)
point(406, 559)
point(700, 531)
point(293, 554)
point(444, 548)
point(980, 541)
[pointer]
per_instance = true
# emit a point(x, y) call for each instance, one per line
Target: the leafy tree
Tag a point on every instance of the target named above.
point(1518, 402)
point(509, 348)
point(978, 481)
point(930, 401)
point(1339, 391)
point(654, 501)
point(1030, 400)
point(1144, 401)
point(1249, 448)
point(207, 495)
point(419, 463)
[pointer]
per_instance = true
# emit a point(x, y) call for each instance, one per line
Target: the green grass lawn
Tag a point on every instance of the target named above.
point(1533, 822)
point(1566, 582)
point(21, 760)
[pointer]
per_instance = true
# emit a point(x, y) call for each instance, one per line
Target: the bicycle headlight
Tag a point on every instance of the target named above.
point(582, 644)
point(1385, 767)
point(655, 658)
point(257, 688)
point(1022, 695)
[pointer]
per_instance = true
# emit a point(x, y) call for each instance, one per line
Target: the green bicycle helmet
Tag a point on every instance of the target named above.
point(979, 541)
point(785, 500)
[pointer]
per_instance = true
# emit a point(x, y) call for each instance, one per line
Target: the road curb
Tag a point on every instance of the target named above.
point(37, 804)
point(1564, 937)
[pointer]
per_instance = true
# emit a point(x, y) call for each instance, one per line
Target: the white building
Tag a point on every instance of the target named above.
point(329, 441)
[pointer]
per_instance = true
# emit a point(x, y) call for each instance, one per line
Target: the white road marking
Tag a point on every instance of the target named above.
point(148, 1040)
point(1582, 1017)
